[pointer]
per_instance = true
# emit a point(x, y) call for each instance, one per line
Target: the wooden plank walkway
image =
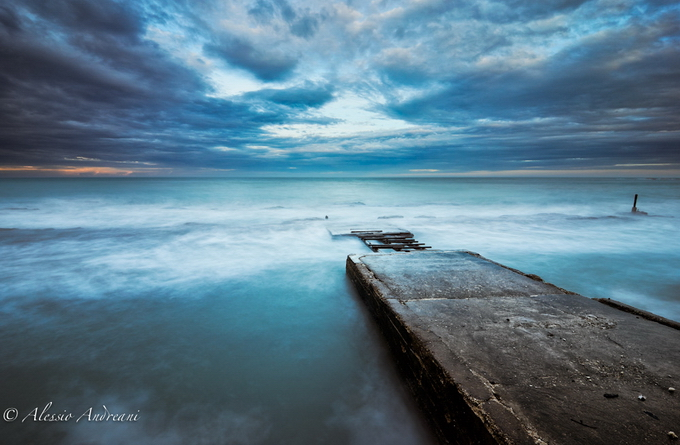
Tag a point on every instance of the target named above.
point(399, 241)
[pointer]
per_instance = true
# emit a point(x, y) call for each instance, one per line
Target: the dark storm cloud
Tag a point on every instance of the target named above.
point(267, 62)
point(614, 94)
point(9, 20)
point(98, 90)
point(95, 18)
point(266, 65)
point(355, 86)
point(305, 96)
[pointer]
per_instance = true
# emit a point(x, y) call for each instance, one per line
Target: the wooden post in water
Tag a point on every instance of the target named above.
point(635, 210)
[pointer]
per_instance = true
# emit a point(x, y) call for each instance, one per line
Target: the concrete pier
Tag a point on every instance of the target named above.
point(496, 356)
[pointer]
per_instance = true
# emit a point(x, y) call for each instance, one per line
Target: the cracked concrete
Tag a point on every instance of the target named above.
point(495, 356)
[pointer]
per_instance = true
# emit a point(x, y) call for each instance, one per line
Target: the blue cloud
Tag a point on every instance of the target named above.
point(305, 96)
point(264, 64)
point(256, 85)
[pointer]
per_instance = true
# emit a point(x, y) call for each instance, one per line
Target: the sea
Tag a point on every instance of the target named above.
point(217, 310)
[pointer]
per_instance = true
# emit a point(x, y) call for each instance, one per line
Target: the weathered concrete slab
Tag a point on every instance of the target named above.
point(452, 275)
point(495, 356)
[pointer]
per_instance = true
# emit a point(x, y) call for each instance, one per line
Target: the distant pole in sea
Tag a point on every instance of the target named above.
point(635, 209)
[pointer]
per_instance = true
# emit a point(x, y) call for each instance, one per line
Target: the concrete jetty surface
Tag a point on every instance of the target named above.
point(495, 356)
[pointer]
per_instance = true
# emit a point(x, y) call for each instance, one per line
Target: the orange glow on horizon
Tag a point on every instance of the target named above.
point(77, 171)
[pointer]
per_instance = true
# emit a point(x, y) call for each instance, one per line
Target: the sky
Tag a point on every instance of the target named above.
point(339, 88)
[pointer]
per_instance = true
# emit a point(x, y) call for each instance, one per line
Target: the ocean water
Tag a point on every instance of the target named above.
point(217, 311)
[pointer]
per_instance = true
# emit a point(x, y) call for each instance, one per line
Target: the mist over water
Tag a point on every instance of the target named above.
point(218, 309)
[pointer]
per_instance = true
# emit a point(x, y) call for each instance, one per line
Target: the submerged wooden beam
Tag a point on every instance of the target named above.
point(396, 239)
point(398, 246)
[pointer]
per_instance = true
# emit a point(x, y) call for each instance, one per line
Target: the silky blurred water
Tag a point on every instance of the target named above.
point(218, 311)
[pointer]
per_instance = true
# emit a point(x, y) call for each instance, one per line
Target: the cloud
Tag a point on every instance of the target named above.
point(103, 91)
point(265, 10)
point(305, 26)
point(9, 20)
point(308, 95)
point(510, 85)
point(265, 64)
point(95, 18)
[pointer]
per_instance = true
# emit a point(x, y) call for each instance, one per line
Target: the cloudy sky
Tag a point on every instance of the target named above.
point(302, 87)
